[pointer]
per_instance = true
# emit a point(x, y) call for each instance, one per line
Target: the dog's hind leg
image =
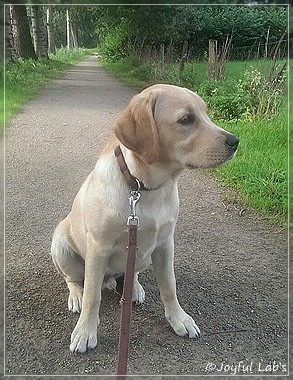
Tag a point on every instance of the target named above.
point(69, 264)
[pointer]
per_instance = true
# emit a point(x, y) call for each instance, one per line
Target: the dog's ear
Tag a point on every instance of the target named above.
point(136, 127)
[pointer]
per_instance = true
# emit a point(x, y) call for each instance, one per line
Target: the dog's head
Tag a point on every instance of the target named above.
point(166, 123)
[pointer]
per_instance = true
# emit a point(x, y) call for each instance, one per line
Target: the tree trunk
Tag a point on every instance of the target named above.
point(68, 30)
point(21, 32)
point(50, 31)
point(74, 36)
point(38, 29)
point(3, 19)
point(10, 51)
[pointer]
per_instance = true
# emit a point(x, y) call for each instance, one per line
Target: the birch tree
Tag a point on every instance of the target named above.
point(50, 31)
point(11, 54)
point(68, 30)
point(38, 31)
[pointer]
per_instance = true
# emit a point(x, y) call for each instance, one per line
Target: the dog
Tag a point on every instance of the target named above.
point(164, 130)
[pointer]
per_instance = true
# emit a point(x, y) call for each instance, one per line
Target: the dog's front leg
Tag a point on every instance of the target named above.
point(84, 336)
point(163, 266)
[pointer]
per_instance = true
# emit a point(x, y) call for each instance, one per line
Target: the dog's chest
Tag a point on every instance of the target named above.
point(147, 241)
point(157, 223)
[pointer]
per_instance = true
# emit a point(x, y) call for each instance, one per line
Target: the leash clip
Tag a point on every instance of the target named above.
point(133, 219)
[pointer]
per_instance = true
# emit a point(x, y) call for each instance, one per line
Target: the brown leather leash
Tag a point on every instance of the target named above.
point(126, 299)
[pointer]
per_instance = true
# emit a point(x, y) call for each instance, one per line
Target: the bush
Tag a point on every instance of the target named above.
point(114, 46)
point(256, 94)
point(228, 100)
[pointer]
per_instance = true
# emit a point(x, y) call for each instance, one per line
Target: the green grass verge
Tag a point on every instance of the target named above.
point(259, 170)
point(258, 176)
point(23, 80)
point(291, 151)
point(133, 74)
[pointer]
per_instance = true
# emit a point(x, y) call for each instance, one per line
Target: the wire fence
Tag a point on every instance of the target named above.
point(164, 54)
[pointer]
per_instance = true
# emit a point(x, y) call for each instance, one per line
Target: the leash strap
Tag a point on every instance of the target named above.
point(126, 299)
point(126, 304)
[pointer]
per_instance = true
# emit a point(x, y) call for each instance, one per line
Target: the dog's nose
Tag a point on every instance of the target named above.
point(232, 142)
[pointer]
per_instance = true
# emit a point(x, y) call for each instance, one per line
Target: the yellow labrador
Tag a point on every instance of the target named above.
point(164, 130)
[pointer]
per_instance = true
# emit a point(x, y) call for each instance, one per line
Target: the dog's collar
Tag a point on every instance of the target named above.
point(134, 183)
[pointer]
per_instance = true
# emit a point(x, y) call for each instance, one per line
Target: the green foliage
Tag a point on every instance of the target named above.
point(249, 97)
point(1, 98)
point(156, 25)
point(247, 25)
point(171, 25)
point(247, 94)
point(260, 169)
point(129, 73)
point(69, 56)
point(226, 99)
point(114, 47)
point(253, 90)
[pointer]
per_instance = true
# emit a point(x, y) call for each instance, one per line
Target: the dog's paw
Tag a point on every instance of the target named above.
point(83, 338)
point(183, 324)
point(138, 293)
point(109, 283)
point(75, 297)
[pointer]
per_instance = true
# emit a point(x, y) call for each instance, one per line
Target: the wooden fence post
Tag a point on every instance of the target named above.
point(183, 55)
point(213, 54)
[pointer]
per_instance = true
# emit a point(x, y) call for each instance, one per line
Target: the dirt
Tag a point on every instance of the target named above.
point(231, 263)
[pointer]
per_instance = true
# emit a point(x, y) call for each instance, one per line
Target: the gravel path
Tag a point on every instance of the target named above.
point(231, 266)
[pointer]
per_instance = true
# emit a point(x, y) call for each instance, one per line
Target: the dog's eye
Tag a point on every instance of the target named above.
point(186, 120)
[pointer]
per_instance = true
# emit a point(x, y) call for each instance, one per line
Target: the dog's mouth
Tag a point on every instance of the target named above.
point(231, 156)
point(211, 164)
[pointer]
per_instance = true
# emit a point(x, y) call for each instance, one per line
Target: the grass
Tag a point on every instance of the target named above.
point(259, 170)
point(259, 173)
point(133, 74)
point(23, 80)
point(290, 161)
